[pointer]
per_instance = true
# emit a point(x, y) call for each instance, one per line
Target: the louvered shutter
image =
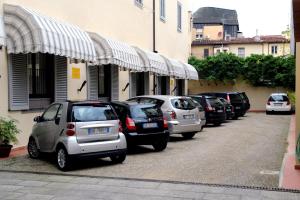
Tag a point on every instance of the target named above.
point(146, 79)
point(18, 82)
point(92, 82)
point(61, 78)
point(132, 84)
point(158, 85)
point(114, 83)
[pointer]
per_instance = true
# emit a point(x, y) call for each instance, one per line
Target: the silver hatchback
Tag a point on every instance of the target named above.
point(183, 115)
point(78, 130)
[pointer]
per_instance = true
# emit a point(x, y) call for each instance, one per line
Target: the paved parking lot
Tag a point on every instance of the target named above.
point(247, 152)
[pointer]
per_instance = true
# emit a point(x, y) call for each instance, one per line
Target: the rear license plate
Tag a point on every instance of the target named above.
point(237, 107)
point(188, 116)
point(150, 125)
point(277, 104)
point(92, 131)
point(229, 110)
point(220, 111)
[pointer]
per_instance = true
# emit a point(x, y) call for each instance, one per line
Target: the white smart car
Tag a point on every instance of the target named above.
point(278, 102)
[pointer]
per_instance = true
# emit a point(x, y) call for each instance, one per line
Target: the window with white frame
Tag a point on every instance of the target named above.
point(241, 52)
point(139, 3)
point(274, 49)
point(179, 16)
point(163, 10)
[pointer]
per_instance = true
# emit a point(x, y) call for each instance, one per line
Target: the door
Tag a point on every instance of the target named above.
point(47, 129)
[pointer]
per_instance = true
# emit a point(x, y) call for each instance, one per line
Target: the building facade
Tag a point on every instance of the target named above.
point(109, 50)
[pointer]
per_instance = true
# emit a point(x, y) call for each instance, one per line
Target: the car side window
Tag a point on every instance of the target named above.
point(59, 113)
point(121, 111)
point(50, 113)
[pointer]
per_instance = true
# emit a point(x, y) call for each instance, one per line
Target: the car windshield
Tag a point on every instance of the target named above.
point(278, 98)
point(87, 113)
point(183, 104)
point(145, 111)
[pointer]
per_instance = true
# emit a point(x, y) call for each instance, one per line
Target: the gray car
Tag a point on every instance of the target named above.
point(183, 115)
point(78, 130)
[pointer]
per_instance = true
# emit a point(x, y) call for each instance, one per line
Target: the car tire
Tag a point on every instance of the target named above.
point(188, 135)
point(118, 158)
point(268, 112)
point(217, 124)
point(160, 145)
point(32, 148)
point(63, 160)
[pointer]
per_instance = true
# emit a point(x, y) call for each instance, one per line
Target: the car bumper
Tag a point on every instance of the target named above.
point(215, 118)
point(101, 154)
point(278, 108)
point(147, 138)
point(100, 147)
point(177, 128)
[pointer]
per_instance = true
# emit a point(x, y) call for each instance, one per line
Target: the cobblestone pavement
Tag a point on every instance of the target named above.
point(245, 152)
point(29, 186)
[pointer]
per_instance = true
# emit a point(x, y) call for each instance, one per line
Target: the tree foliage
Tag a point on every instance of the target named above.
point(258, 70)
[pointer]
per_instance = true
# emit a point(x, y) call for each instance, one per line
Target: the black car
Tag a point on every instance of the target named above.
point(214, 109)
point(228, 108)
point(246, 100)
point(235, 99)
point(143, 124)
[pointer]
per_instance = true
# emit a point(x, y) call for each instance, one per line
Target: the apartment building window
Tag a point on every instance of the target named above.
point(179, 16)
point(139, 3)
point(206, 53)
point(199, 36)
point(163, 10)
point(241, 52)
point(274, 49)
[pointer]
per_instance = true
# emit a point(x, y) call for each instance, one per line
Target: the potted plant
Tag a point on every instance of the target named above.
point(8, 135)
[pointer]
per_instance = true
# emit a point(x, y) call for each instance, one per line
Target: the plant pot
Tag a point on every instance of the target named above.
point(5, 150)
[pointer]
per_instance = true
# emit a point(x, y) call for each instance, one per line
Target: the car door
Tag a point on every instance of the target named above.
point(48, 128)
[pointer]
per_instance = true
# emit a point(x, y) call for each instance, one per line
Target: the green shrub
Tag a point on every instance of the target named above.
point(8, 131)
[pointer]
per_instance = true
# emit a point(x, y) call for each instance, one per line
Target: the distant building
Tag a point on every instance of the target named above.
point(276, 45)
point(215, 23)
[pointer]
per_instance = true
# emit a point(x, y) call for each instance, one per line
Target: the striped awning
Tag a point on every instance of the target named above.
point(2, 33)
point(191, 72)
point(176, 68)
point(118, 53)
point(153, 62)
point(29, 32)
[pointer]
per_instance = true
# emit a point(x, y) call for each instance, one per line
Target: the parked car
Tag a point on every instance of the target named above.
point(246, 100)
point(234, 98)
point(214, 109)
point(202, 113)
point(182, 114)
point(143, 124)
point(278, 102)
point(229, 110)
point(77, 130)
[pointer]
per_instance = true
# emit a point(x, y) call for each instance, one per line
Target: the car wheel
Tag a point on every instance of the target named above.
point(32, 149)
point(62, 159)
point(160, 145)
point(217, 124)
point(188, 135)
point(267, 112)
point(118, 158)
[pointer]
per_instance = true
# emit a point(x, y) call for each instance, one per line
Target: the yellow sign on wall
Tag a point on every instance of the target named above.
point(75, 73)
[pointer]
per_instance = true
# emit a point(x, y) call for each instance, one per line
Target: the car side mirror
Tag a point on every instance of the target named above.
point(57, 120)
point(37, 119)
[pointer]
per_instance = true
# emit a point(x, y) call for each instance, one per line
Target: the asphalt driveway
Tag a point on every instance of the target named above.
point(246, 152)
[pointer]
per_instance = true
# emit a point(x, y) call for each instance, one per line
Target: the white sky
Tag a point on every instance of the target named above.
point(270, 17)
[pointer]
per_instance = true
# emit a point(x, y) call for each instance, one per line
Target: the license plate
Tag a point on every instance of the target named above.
point(188, 116)
point(92, 131)
point(277, 104)
point(220, 111)
point(229, 110)
point(237, 107)
point(150, 125)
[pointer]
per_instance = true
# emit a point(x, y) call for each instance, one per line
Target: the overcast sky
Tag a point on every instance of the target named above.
point(270, 17)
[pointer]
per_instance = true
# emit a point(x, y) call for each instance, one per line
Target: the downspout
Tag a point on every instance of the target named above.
point(154, 41)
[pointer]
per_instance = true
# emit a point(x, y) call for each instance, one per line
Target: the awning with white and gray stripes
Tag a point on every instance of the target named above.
point(111, 51)
point(2, 33)
point(30, 32)
point(191, 72)
point(153, 62)
point(176, 68)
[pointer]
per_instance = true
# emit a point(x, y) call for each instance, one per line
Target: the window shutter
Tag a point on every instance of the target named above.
point(18, 82)
point(146, 79)
point(158, 85)
point(132, 84)
point(61, 79)
point(93, 82)
point(114, 83)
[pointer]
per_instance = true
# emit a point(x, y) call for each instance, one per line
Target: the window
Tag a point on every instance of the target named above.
point(241, 52)
point(199, 36)
point(206, 53)
point(179, 16)
point(163, 10)
point(95, 112)
point(139, 3)
point(51, 112)
point(274, 49)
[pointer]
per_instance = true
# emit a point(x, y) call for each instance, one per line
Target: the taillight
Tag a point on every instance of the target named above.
point(165, 123)
point(120, 127)
point(130, 124)
point(228, 98)
point(209, 108)
point(288, 103)
point(70, 129)
point(268, 103)
point(173, 115)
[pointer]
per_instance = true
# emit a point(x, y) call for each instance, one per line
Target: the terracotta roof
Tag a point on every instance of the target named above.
point(253, 40)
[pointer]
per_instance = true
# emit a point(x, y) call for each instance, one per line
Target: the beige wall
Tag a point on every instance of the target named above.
point(198, 51)
point(117, 19)
point(212, 32)
point(258, 96)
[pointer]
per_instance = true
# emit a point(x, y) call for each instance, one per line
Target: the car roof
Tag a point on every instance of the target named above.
point(162, 97)
point(284, 94)
point(205, 96)
point(130, 103)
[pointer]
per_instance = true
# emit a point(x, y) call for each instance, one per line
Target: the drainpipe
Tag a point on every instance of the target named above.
point(154, 28)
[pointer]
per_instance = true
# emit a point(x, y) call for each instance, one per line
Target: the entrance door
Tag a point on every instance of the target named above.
point(139, 84)
point(180, 87)
point(163, 85)
point(104, 82)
